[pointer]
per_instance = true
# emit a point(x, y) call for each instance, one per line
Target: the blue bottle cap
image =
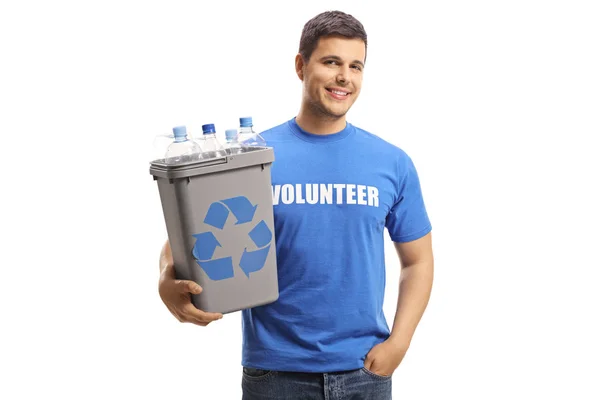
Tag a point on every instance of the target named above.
point(231, 133)
point(179, 131)
point(246, 122)
point(208, 128)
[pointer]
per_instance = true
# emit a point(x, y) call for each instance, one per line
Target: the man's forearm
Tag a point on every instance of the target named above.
point(166, 257)
point(415, 288)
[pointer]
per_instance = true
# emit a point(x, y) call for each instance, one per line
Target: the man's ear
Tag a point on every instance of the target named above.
point(300, 66)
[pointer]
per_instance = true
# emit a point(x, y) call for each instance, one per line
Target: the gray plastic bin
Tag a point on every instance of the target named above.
point(219, 219)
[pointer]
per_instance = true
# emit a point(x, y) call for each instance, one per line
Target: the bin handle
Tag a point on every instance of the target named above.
point(213, 161)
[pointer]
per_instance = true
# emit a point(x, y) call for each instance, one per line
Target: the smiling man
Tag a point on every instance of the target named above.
point(332, 78)
point(336, 189)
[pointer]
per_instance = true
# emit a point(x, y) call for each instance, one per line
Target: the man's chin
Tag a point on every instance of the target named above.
point(335, 114)
point(329, 112)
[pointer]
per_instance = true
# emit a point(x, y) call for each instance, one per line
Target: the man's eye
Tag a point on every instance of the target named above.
point(357, 67)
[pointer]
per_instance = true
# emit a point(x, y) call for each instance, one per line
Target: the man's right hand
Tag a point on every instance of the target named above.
point(175, 293)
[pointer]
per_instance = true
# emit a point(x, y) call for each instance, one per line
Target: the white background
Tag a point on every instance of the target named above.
point(497, 102)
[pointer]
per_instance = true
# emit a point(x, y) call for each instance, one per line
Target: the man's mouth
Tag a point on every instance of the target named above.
point(338, 92)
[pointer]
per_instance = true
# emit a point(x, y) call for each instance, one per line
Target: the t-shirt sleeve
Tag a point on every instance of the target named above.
point(408, 219)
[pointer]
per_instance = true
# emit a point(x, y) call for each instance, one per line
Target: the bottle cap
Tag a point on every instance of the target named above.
point(179, 131)
point(246, 122)
point(231, 133)
point(208, 128)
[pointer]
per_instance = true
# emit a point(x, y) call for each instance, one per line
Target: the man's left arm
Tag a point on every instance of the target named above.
point(416, 279)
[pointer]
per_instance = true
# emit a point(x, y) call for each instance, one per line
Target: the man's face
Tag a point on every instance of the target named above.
point(332, 78)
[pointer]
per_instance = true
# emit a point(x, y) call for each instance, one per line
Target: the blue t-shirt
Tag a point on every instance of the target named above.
point(333, 195)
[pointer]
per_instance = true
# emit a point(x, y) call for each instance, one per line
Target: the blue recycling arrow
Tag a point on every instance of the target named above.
point(253, 261)
point(241, 208)
point(216, 215)
point(219, 269)
point(205, 246)
point(261, 234)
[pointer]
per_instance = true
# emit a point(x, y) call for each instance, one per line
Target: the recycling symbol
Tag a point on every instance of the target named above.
point(206, 242)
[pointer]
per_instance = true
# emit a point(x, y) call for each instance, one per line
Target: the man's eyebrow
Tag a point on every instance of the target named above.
point(337, 58)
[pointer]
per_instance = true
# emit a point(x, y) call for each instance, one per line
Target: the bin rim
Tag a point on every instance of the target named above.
point(252, 156)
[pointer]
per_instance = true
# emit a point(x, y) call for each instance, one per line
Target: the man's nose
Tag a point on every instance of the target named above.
point(343, 74)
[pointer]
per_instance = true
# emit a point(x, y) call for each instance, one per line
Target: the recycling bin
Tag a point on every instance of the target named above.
point(219, 219)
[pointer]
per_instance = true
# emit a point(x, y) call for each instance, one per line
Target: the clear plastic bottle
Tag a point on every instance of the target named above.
point(247, 137)
point(209, 142)
point(182, 149)
point(232, 145)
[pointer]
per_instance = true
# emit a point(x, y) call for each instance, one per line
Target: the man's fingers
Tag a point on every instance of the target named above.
point(193, 313)
point(188, 287)
point(186, 311)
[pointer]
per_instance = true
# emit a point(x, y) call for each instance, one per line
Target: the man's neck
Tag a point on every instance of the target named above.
point(320, 125)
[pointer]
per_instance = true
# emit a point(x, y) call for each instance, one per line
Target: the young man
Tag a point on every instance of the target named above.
point(336, 188)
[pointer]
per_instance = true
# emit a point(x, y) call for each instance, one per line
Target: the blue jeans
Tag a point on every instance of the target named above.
point(359, 384)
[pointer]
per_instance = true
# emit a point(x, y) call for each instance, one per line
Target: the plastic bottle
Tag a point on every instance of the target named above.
point(247, 136)
point(232, 145)
point(182, 149)
point(209, 142)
